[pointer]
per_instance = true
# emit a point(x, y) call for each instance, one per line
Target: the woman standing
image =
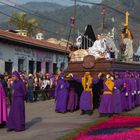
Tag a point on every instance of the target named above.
point(16, 119)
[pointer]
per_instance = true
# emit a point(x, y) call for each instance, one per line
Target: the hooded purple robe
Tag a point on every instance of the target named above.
point(117, 104)
point(86, 102)
point(3, 108)
point(16, 118)
point(61, 94)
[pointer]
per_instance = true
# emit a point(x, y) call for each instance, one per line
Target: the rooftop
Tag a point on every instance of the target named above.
point(31, 41)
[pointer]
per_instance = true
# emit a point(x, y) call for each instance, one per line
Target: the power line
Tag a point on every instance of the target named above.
point(33, 25)
point(110, 7)
point(31, 12)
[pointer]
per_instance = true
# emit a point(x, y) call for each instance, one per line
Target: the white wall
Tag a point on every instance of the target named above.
point(13, 53)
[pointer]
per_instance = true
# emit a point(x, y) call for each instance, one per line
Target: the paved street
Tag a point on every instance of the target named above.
point(42, 123)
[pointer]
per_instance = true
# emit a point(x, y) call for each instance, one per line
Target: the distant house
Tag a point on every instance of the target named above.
point(31, 55)
point(61, 42)
point(21, 32)
point(39, 36)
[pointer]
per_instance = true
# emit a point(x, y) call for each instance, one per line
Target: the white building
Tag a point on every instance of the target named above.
point(21, 32)
point(30, 55)
point(39, 36)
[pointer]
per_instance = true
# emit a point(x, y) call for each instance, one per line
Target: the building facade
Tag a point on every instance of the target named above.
point(30, 55)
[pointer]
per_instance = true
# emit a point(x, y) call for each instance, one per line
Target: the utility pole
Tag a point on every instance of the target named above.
point(74, 24)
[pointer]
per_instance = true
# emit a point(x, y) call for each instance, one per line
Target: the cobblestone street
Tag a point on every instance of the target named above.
point(42, 123)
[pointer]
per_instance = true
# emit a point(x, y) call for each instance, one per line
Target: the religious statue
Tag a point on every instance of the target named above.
point(99, 49)
point(127, 41)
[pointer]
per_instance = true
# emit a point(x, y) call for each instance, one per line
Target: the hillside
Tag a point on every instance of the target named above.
point(42, 6)
point(33, 6)
point(121, 6)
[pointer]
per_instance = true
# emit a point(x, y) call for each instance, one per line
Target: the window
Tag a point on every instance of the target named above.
point(20, 65)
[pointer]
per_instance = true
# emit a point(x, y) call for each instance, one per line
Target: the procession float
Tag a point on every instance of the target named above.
point(100, 54)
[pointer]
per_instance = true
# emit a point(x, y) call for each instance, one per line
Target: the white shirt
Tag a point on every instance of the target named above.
point(98, 47)
point(45, 83)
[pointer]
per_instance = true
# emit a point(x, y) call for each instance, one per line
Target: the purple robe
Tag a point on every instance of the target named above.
point(133, 91)
point(61, 95)
point(117, 104)
point(127, 94)
point(53, 80)
point(16, 119)
point(139, 91)
point(106, 104)
point(72, 100)
point(129, 90)
point(123, 98)
point(3, 108)
point(86, 101)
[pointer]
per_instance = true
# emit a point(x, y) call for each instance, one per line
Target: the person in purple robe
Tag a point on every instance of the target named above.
point(52, 86)
point(72, 98)
point(138, 93)
point(86, 102)
point(16, 120)
point(106, 104)
point(133, 88)
point(61, 94)
point(128, 91)
point(3, 107)
point(136, 76)
point(118, 83)
point(123, 90)
point(139, 89)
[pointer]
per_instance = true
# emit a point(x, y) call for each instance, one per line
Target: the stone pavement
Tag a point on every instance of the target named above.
point(42, 123)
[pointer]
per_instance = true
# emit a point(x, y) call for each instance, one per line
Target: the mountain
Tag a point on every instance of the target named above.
point(119, 8)
point(42, 6)
point(30, 6)
point(61, 2)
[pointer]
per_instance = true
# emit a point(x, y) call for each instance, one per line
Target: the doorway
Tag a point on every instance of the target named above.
point(47, 67)
point(31, 67)
point(54, 68)
point(38, 66)
point(20, 65)
point(8, 67)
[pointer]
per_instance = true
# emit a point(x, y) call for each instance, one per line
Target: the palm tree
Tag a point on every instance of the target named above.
point(18, 20)
point(32, 26)
point(22, 22)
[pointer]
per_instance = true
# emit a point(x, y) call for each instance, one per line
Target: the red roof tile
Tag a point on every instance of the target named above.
point(32, 41)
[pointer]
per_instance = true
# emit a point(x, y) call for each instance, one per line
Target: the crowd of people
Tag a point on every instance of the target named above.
point(17, 88)
point(111, 93)
point(39, 86)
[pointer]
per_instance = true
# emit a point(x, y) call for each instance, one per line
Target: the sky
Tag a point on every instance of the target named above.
point(62, 2)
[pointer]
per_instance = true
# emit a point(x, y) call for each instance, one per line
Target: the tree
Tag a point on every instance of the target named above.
point(18, 20)
point(22, 22)
point(32, 26)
